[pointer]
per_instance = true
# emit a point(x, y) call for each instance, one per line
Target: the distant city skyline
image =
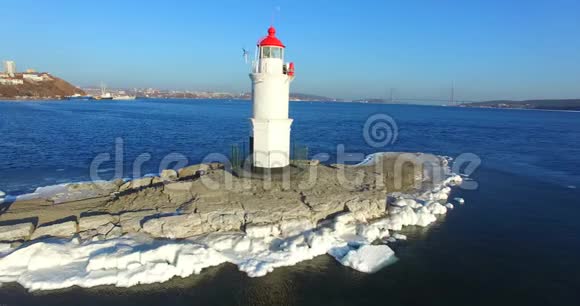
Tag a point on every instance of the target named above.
point(487, 49)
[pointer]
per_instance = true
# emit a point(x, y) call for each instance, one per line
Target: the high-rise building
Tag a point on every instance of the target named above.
point(10, 68)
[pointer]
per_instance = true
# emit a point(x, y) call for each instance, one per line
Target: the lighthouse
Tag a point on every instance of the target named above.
point(271, 78)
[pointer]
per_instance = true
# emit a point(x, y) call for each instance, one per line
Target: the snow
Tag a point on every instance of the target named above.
point(139, 259)
point(5, 247)
point(399, 236)
point(44, 192)
point(369, 258)
point(67, 192)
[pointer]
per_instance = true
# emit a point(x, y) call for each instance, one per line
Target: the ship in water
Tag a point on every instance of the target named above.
point(79, 97)
point(124, 97)
point(104, 94)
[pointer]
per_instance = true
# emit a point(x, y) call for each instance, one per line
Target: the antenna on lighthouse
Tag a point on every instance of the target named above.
point(276, 9)
point(245, 54)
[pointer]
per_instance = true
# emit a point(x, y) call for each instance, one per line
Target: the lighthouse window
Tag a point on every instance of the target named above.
point(271, 52)
point(266, 52)
point(276, 53)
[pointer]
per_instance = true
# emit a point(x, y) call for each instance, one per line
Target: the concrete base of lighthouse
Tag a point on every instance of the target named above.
point(271, 143)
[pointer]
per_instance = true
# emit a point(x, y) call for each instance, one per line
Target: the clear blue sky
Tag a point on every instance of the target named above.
point(490, 49)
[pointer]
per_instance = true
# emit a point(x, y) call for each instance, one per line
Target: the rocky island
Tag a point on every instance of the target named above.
point(151, 229)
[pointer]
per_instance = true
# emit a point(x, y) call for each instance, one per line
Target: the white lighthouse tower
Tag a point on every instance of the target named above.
point(271, 78)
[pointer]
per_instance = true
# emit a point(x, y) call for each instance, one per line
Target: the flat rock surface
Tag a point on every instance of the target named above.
point(131, 221)
point(64, 230)
point(95, 221)
point(15, 232)
point(207, 198)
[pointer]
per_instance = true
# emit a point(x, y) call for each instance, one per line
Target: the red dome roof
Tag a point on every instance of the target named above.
point(271, 39)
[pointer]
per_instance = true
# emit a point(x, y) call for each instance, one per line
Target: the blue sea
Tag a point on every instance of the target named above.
point(516, 240)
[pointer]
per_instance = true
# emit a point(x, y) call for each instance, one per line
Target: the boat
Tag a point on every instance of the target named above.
point(79, 97)
point(124, 98)
point(104, 94)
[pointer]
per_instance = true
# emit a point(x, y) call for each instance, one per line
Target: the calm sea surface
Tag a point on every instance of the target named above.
point(516, 241)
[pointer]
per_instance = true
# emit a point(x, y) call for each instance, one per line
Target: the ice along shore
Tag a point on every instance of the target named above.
point(151, 229)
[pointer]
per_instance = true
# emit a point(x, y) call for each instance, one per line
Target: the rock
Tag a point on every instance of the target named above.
point(115, 232)
point(118, 182)
point(169, 175)
point(104, 232)
point(141, 200)
point(15, 232)
point(314, 162)
point(233, 203)
point(105, 229)
point(88, 235)
point(157, 180)
point(131, 221)
point(263, 212)
point(61, 230)
point(174, 227)
point(366, 209)
point(179, 192)
point(195, 170)
point(324, 208)
point(222, 217)
point(224, 222)
point(137, 184)
point(191, 171)
point(98, 238)
point(93, 222)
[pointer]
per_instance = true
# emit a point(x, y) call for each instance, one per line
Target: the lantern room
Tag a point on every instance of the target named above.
point(270, 46)
point(270, 55)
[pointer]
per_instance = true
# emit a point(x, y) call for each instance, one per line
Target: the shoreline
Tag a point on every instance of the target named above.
point(299, 101)
point(2, 99)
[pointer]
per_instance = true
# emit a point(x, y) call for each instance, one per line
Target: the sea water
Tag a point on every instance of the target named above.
point(516, 240)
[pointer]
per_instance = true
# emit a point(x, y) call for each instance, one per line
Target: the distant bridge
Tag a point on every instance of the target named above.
point(450, 100)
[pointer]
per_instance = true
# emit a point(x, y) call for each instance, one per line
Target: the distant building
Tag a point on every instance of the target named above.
point(35, 77)
point(10, 68)
point(30, 70)
point(11, 81)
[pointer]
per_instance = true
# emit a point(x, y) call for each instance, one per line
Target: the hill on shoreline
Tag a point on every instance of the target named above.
point(547, 104)
point(51, 88)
